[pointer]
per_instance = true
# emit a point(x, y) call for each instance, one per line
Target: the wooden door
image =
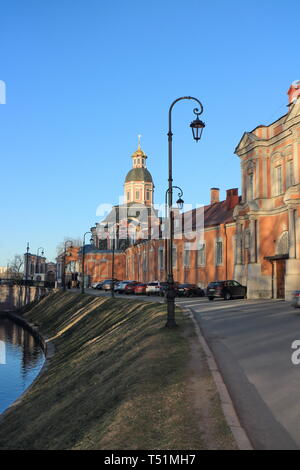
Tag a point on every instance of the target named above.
point(280, 275)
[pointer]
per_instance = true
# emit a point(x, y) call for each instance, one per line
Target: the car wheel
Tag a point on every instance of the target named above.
point(227, 296)
point(211, 298)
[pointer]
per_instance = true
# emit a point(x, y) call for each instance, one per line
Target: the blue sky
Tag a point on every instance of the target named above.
point(85, 77)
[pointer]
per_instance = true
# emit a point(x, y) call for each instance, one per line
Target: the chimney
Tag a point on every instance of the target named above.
point(232, 198)
point(214, 195)
point(294, 91)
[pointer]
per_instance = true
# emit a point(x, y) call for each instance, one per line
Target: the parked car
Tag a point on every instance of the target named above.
point(120, 286)
point(129, 288)
point(97, 285)
point(155, 287)
point(152, 288)
point(189, 290)
point(140, 289)
point(226, 289)
point(107, 285)
point(296, 299)
point(163, 286)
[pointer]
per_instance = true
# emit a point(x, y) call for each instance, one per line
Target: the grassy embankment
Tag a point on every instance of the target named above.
point(118, 380)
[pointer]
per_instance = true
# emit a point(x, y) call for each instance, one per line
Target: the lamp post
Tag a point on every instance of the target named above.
point(179, 203)
point(64, 265)
point(197, 127)
point(114, 236)
point(37, 258)
point(83, 249)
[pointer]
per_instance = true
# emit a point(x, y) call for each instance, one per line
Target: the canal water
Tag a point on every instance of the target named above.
point(21, 359)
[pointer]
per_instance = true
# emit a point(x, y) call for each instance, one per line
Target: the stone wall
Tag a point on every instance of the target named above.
point(14, 297)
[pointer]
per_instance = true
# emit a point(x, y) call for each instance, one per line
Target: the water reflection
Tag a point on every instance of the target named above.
point(20, 361)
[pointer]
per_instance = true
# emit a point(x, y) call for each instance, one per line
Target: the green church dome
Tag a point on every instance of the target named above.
point(139, 174)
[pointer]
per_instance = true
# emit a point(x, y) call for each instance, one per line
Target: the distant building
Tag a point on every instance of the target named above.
point(36, 268)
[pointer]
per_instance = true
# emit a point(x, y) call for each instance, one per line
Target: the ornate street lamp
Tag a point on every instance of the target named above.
point(197, 128)
point(197, 125)
point(83, 253)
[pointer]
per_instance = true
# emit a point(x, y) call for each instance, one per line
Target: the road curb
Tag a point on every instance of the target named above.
point(231, 417)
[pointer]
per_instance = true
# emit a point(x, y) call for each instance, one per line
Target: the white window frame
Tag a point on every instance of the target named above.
point(289, 173)
point(174, 257)
point(278, 182)
point(218, 262)
point(186, 258)
point(161, 258)
point(201, 253)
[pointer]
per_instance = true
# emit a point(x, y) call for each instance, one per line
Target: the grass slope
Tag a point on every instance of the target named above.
point(118, 380)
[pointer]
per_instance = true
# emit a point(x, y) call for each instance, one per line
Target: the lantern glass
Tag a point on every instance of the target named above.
point(197, 128)
point(180, 203)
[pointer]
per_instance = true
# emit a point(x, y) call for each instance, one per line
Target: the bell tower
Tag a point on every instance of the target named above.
point(138, 187)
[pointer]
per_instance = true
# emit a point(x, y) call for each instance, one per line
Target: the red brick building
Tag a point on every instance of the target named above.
point(253, 238)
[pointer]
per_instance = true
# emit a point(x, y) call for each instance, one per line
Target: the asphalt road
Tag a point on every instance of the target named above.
point(251, 341)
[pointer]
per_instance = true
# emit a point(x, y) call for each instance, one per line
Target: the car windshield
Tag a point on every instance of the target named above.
point(215, 284)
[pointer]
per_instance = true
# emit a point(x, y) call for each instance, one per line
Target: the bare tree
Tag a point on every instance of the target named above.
point(15, 267)
point(61, 246)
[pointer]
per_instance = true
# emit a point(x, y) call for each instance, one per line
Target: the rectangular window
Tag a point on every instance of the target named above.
point(137, 195)
point(128, 196)
point(289, 174)
point(219, 253)
point(186, 260)
point(161, 258)
point(201, 254)
point(145, 262)
point(147, 195)
point(174, 257)
point(278, 180)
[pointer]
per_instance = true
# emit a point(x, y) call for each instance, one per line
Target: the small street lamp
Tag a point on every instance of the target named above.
point(180, 203)
point(197, 127)
point(64, 264)
point(114, 235)
point(83, 253)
